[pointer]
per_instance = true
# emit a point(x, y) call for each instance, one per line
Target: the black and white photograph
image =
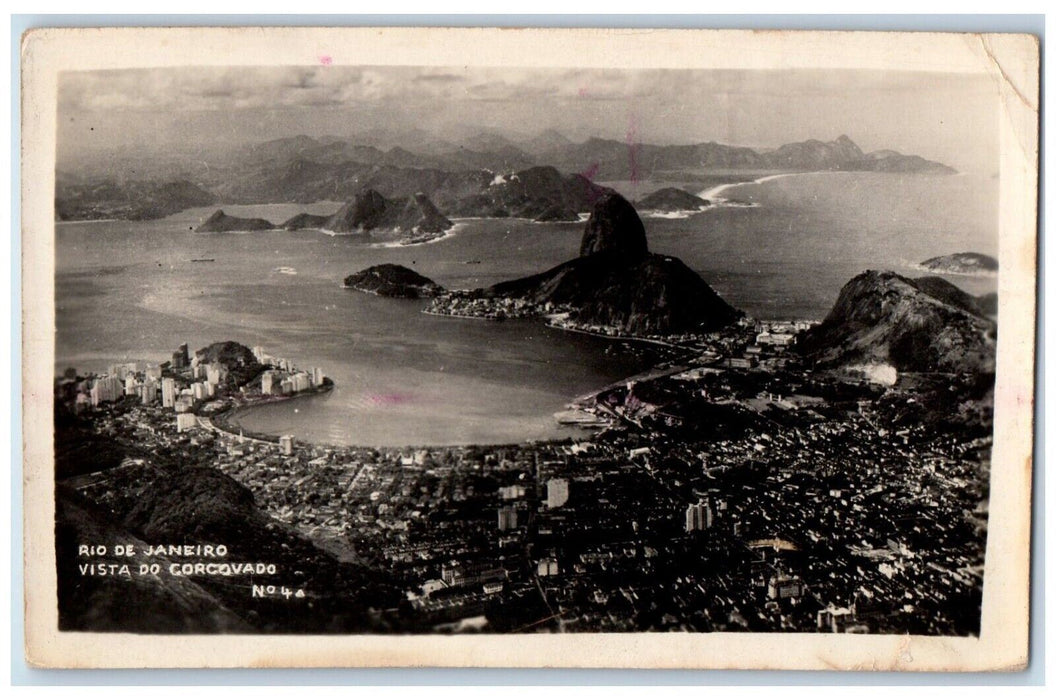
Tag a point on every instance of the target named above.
point(439, 351)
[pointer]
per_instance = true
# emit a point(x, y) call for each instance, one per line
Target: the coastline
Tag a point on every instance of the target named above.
point(713, 194)
point(221, 421)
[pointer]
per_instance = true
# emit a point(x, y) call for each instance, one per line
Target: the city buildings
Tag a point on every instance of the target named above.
point(181, 358)
point(106, 388)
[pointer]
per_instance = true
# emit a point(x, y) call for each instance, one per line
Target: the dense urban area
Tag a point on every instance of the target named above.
point(732, 487)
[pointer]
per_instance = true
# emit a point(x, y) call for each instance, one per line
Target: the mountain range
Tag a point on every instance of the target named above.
point(486, 176)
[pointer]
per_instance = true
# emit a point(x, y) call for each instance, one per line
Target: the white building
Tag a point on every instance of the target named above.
point(107, 388)
point(286, 444)
point(185, 421)
point(168, 392)
point(699, 516)
point(556, 493)
point(215, 373)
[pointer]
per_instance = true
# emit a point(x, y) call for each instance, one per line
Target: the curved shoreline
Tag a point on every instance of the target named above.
point(221, 421)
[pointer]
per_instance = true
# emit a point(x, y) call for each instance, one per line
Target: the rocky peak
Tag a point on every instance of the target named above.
point(614, 228)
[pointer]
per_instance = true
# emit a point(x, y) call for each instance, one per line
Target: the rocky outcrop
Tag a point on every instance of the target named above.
point(913, 325)
point(367, 211)
point(241, 364)
point(614, 229)
point(390, 280)
point(371, 211)
point(220, 222)
point(530, 193)
point(671, 199)
point(420, 215)
point(617, 283)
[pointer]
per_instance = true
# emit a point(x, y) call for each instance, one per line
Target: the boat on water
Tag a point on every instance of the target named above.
point(203, 259)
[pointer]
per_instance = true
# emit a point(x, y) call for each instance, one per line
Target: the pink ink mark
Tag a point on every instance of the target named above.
point(582, 92)
point(591, 172)
point(325, 60)
point(389, 399)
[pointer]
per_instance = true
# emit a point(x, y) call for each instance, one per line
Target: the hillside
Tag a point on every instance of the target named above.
point(913, 325)
point(371, 211)
point(190, 505)
point(145, 604)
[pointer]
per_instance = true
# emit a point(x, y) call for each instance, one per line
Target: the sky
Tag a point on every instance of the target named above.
point(946, 117)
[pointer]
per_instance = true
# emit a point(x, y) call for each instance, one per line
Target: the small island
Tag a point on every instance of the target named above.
point(671, 200)
point(397, 281)
point(220, 222)
point(962, 264)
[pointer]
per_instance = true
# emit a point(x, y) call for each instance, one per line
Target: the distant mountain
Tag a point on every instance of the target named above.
point(219, 222)
point(671, 199)
point(420, 215)
point(926, 325)
point(487, 175)
point(895, 162)
point(529, 194)
point(130, 200)
point(303, 221)
point(815, 155)
point(545, 141)
point(616, 282)
point(962, 264)
point(367, 211)
point(370, 210)
point(557, 212)
point(609, 159)
point(390, 280)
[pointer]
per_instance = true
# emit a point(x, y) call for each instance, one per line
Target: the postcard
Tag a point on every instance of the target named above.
point(528, 348)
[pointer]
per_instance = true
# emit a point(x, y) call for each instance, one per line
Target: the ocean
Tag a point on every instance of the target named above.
point(782, 248)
